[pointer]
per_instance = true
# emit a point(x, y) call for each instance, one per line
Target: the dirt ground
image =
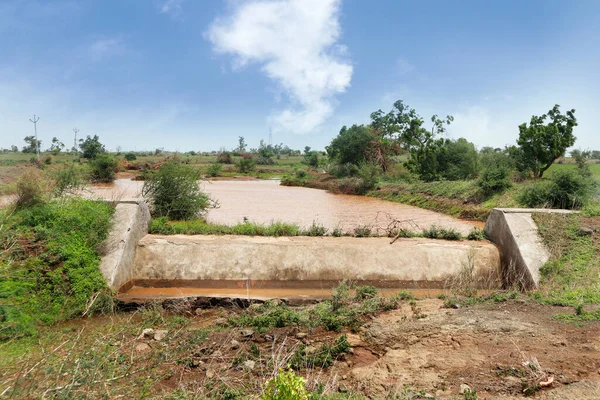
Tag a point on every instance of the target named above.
point(488, 347)
point(501, 351)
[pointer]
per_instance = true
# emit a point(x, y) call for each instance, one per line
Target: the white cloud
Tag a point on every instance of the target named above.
point(104, 48)
point(295, 43)
point(174, 8)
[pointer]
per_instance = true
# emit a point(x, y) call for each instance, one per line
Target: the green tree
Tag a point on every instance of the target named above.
point(14, 148)
point(91, 147)
point(458, 159)
point(241, 144)
point(581, 158)
point(351, 145)
point(56, 146)
point(546, 138)
point(31, 145)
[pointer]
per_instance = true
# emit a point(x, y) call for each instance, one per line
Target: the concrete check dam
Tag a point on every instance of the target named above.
point(142, 266)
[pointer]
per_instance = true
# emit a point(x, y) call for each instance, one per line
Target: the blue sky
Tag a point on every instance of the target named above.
point(195, 75)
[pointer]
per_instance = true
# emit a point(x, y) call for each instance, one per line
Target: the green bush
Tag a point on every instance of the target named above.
point(67, 181)
point(565, 189)
point(214, 170)
point(130, 156)
point(315, 229)
point(495, 176)
point(311, 159)
point(246, 164)
point(102, 168)
point(32, 189)
point(224, 157)
point(174, 192)
point(343, 170)
point(285, 386)
point(436, 232)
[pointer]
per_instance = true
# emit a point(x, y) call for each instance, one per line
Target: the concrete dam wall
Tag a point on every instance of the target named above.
point(314, 261)
point(134, 258)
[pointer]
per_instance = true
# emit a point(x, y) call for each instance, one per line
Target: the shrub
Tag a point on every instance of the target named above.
point(362, 231)
point(476, 234)
point(246, 164)
point(495, 176)
point(285, 386)
point(343, 170)
point(436, 232)
point(32, 188)
point(564, 189)
point(47, 160)
point(311, 159)
point(224, 157)
point(130, 156)
point(67, 181)
point(265, 160)
point(174, 192)
point(315, 229)
point(569, 189)
point(102, 168)
point(214, 170)
point(536, 195)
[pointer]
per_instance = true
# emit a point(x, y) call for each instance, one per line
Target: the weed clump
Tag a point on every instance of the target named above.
point(436, 232)
point(32, 189)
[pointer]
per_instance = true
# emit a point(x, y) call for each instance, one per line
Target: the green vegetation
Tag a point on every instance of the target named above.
point(49, 263)
point(346, 309)
point(542, 144)
point(174, 192)
point(570, 278)
point(102, 168)
point(564, 189)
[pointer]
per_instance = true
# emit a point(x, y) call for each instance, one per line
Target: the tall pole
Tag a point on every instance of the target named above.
point(37, 144)
point(75, 142)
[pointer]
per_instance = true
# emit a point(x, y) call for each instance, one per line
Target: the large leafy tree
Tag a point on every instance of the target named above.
point(91, 147)
point(546, 138)
point(32, 144)
point(350, 145)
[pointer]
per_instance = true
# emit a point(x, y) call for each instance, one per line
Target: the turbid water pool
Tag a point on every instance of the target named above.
point(265, 201)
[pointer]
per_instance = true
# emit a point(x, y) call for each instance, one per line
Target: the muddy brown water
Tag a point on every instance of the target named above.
point(265, 201)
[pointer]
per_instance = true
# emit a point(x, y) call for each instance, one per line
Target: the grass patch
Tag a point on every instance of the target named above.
point(200, 227)
point(348, 305)
point(49, 263)
point(570, 278)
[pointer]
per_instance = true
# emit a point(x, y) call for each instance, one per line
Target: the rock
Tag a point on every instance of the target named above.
point(210, 374)
point(310, 350)
point(342, 388)
point(456, 306)
point(268, 338)
point(586, 231)
point(246, 333)
point(249, 364)
point(147, 333)
point(235, 345)
point(464, 388)
point(301, 335)
point(160, 334)
point(115, 343)
point(217, 353)
point(221, 321)
point(141, 347)
point(198, 311)
point(354, 340)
